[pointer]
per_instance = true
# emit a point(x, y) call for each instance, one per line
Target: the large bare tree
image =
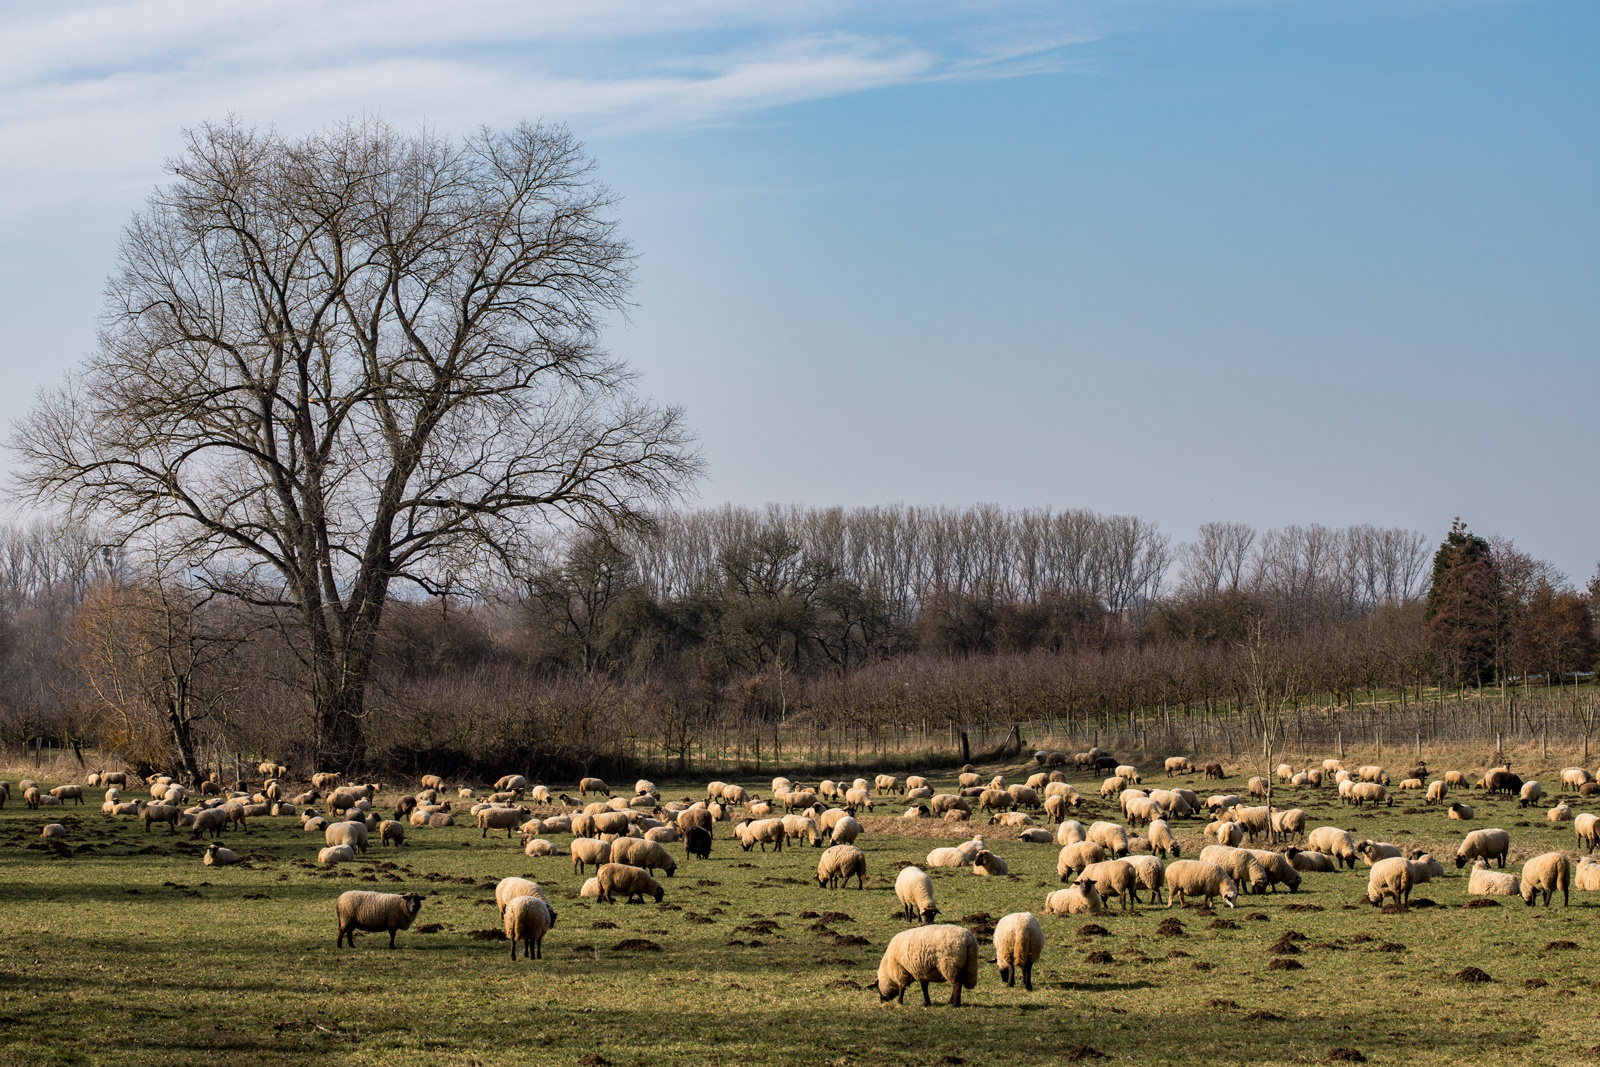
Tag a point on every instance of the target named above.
point(361, 358)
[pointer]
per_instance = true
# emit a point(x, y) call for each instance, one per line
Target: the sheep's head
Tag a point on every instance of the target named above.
point(413, 901)
point(659, 894)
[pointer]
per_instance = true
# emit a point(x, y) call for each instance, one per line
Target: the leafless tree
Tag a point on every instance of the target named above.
point(360, 358)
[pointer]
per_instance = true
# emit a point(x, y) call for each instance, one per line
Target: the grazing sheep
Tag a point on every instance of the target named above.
point(1112, 786)
point(1279, 870)
point(845, 831)
point(1241, 865)
point(1546, 874)
point(1501, 780)
point(1291, 823)
point(1254, 820)
point(1178, 765)
point(1588, 829)
point(629, 881)
point(1018, 942)
point(217, 856)
point(1111, 837)
point(1530, 794)
point(1310, 861)
point(1576, 777)
point(360, 910)
point(1197, 878)
point(1227, 833)
point(1489, 843)
point(1437, 791)
point(839, 864)
point(527, 920)
point(1214, 770)
point(507, 819)
point(1256, 787)
point(914, 889)
point(1151, 872)
point(888, 783)
point(353, 834)
point(1162, 842)
point(336, 854)
point(1390, 877)
point(1070, 833)
point(167, 813)
point(591, 785)
point(940, 953)
point(916, 781)
point(761, 832)
point(211, 820)
point(1372, 773)
point(1081, 899)
point(638, 852)
point(1462, 812)
point(391, 833)
point(1023, 796)
point(1113, 878)
point(697, 842)
point(1075, 857)
point(1363, 792)
point(1486, 883)
point(987, 863)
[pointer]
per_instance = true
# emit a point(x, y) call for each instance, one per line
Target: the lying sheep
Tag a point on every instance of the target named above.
point(1546, 874)
point(336, 854)
point(537, 847)
point(1310, 861)
point(629, 881)
point(941, 953)
point(1081, 899)
point(914, 889)
point(527, 920)
point(361, 910)
point(1373, 851)
point(638, 852)
point(1488, 843)
point(839, 864)
point(1390, 877)
point(988, 864)
point(1587, 875)
point(1197, 878)
point(1018, 942)
point(1560, 813)
point(1334, 842)
point(1462, 812)
point(217, 856)
point(54, 829)
point(1486, 883)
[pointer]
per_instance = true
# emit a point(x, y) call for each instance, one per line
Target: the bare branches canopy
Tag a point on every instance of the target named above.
point(331, 364)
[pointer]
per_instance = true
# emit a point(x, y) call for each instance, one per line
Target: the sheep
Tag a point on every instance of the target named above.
point(995, 800)
point(1178, 765)
point(1530, 794)
point(914, 889)
point(845, 831)
point(1023, 796)
point(32, 797)
point(697, 842)
point(969, 779)
point(1373, 851)
point(361, 910)
point(888, 783)
point(986, 863)
point(217, 856)
point(1214, 770)
point(1018, 819)
point(1018, 942)
point(317, 824)
point(637, 852)
point(353, 834)
point(1113, 878)
point(1372, 773)
point(507, 819)
point(1486, 883)
point(1410, 784)
point(1173, 801)
point(839, 864)
point(1455, 780)
point(662, 835)
point(54, 829)
point(1257, 787)
point(1241, 865)
point(1081, 899)
point(1227, 833)
point(593, 785)
point(1151, 873)
point(1112, 786)
point(1560, 813)
point(1279, 870)
point(1362, 792)
point(1075, 857)
point(1588, 829)
point(1424, 868)
point(1546, 874)
point(536, 847)
point(629, 881)
point(1501, 780)
point(1390, 878)
point(1291, 823)
point(336, 854)
point(1197, 878)
point(1576, 777)
point(167, 813)
point(211, 820)
point(761, 832)
point(509, 889)
point(527, 920)
point(1437, 791)
point(64, 793)
point(1486, 844)
point(916, 781)
point(1253, 820)
point(1161, 840)
point(858, 798)
point(1141, 810)
point(1220, 805)
point(1462, 812)
point(1038, 835)
point(1310, 860)
point(939, 953)
point(1070, 833)
point(1111, 837)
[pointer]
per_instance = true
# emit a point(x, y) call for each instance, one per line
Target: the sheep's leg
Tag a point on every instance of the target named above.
point(927, 1002)
point(1027, 976)
point(513, 950)
point(392, 932)
point(955, 995)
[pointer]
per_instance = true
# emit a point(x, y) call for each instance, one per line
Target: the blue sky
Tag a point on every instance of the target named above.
point(1272, 261)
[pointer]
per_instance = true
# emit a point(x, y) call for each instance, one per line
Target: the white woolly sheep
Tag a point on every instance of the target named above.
point(1226, 832)
point(1109, 836)
point(1488, 843)
point(1372, 851)
point(588, 850)
point(1113, 878)
point(1070, 833)
point(360, 910)
point(593, 785)
point(1486, 883)
point(638, 852)
point(1424, 868)
point(1390, 877)
point(1197, 878)
point(1588, 830)
point(1018, 942)
point(538, 847)
point(914, 889)
point(54, 829)
point(940, 953)
point(761, 832)
point(1151, 872)
point(1437, 791)
point(509, 889)
point(1562, 812)
point(1332, 841)
point(845, 831)
point(1162, 842)
point(391, 832)
point(527, 920)
point(629, 881)
point(1546, 874)
point(1279, 870)
point(1587, 875)
point(1179, 765)
point(1461, 811)
point(507, 819)
point(1112, 787)
point(336, 854)
point(1291, 823)
point(916, 781)
point(839, 864)
point(353, 834)
point(1531, 792)
point(1076, 856)
point(1018, 819)
point(986, 863)
point(1310, 861)
point(1255, 821)
point(1080, 899)
point(1241, 865)
point(1038, 835)
point(217, 856)
point(888, 783)
point(1576, 777)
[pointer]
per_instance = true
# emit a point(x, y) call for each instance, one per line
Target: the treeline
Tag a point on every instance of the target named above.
point(806, 635)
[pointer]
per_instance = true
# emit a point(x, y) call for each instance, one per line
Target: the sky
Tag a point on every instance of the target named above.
point(1272, 261)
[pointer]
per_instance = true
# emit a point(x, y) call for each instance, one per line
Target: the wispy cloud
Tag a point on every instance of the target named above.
point(92, 92)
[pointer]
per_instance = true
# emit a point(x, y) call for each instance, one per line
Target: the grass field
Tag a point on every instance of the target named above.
point(121, 948)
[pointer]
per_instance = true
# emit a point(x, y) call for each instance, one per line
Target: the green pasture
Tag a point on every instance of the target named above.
point(119, 947)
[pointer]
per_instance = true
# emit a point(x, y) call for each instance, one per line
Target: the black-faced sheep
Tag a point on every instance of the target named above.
point(527, 920)
point(360, 910)
point(1197, 878)
point(941, 953)
point(914, 889)
point(839, 864)
point(697, 842)
point(629, 881)
point(1546, 874)
point(1390, 877)
point(1488, 843)
point(638, 852)
point(1018, 942)
point(217, 856)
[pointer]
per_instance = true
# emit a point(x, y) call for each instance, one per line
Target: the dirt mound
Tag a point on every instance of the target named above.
point(636, 944)
point(1171, 928)
point(1472, 974)
point(1093, 930)
point(1345, 1055)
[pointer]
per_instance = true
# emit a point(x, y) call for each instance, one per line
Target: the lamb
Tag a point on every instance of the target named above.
point(1546, 874)
point(1113, 878)
point(914, 889)
point(1486, 844)
point(987, 863)
point(1530, 794)
point(1279, 870)
point(1332, 841)
point(629, 881)
point(1241, 865)
point(353, 834)
point(1018, 942)
point(1214, 770)
point(527, 920)
point(361, 910)
point(391, 832)
point(1588, 828)
point(1461, 811)
point(1486, 883)
point(637, 852)
point(941, 953)
point(1111, 837)
point(1390, 878)
point(1081, 899)
point(1410, 784)
point(1197, 878)
point(336, 854)
point(217, 856)
point(839, 864)
point(1075, 857)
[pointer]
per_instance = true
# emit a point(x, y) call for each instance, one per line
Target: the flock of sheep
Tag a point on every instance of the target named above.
point(626, 838)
